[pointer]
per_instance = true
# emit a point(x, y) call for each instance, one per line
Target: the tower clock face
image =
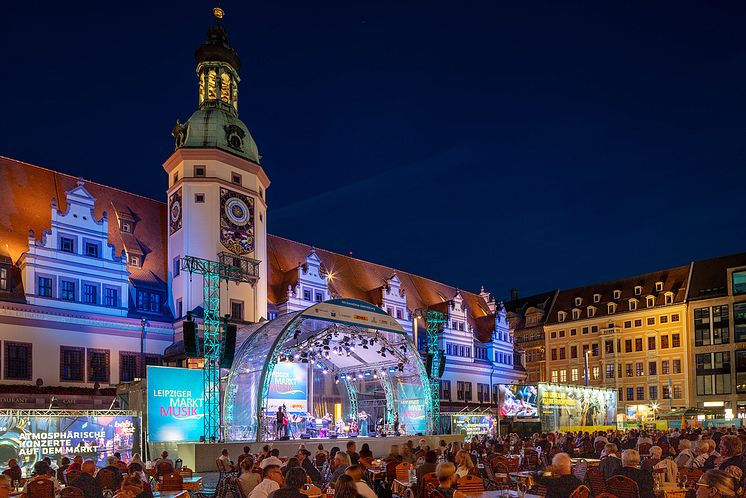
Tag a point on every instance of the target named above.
point(174, 212)
point(236, 222)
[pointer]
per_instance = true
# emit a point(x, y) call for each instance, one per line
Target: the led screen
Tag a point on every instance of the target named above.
point(29, 439)
point(289, 386)
point(570, 408)
point(175, 404)
point(471, 424)
point(518, 401)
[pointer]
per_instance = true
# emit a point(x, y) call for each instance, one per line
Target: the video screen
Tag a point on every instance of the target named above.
point(518, 401)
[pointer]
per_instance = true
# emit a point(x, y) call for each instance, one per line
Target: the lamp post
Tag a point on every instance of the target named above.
point(585, 360)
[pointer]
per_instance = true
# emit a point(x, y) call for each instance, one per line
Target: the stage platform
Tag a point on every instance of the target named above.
point(201, 456)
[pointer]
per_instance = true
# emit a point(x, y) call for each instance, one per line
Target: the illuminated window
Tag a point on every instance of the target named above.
point(4, 279)
point(45, 287)
point(212, 85)
point(201, 87)
point(596, 373)
point(225, 88)
point(739, 282)
point(610, 371)
point(554, 375)
point(563, 375)
point(639, 369)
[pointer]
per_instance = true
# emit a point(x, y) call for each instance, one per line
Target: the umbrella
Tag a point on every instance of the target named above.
point(691, 412)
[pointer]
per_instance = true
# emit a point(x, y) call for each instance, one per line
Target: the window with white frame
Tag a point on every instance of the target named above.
point(659, 286)
point(591, 311)
point(638, 290)
point(617, 294)
point(561, 316)
point(650, 301)
point(578, 301)
point(669, 298)
point(632, 304)
point(611, 308)
point(596, 298)
point(575, 314)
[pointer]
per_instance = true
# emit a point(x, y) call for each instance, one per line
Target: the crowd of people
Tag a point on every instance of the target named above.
point(715, 456)
point(117, 478)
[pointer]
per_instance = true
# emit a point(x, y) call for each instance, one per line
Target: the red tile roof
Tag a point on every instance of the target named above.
point(26, 193)
point(674, 280)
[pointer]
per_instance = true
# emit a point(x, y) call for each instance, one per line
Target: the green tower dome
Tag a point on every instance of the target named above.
point(215, 124)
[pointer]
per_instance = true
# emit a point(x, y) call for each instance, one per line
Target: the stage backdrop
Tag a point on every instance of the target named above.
point(576, 408)
point(412, 411)
point(289, 386)
point(175, 404)
point(29, 439)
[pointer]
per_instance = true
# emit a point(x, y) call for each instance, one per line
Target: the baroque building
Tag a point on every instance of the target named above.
point(94, 281)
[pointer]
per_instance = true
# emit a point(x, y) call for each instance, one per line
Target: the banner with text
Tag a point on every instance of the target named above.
point(175, 404)
point(569, 407)
point(289, 386)
point(29, 439)
point(412, 410)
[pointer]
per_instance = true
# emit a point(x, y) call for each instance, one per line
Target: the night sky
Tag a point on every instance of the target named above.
point(512, 144)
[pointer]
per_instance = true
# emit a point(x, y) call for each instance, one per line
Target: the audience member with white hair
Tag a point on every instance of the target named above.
point(630, 468)
point(562, 482)
point(685, 453)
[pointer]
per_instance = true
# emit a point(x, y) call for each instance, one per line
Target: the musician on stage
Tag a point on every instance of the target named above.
point(363, 417)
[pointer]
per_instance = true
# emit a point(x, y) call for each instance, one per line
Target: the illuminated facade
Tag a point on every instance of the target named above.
point(631, 334)
point(91, 281)
point(527, 317)
point(716, 317)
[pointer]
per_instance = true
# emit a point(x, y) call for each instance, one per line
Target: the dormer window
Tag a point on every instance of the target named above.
point(638, 290)
point(578, 301)
point(561, 316)
point(632, 304)
point(659, 287)
point(4, 279)
point(669, 298)
point(650, 301)
point(575, 314)
point(125, 226)
point(199, 171)
point(596, 298)
point(134, 260)
point(611, 308)
point(617, 294)
point(591, 311)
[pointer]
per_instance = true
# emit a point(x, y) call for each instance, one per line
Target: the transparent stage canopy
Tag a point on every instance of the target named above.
point(339, 357)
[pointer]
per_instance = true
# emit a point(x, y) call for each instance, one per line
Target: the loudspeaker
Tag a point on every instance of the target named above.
point(230, 347)
point(190, 339)
point(305, 436)
point(429, 364)
point(441, 363)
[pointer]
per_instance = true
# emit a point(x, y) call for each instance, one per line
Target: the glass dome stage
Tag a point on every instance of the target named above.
point(331, 366)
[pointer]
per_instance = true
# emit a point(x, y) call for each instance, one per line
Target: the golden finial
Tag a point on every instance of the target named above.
point(218, 13)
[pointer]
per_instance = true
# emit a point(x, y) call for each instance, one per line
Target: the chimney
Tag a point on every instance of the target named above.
point(513, 294)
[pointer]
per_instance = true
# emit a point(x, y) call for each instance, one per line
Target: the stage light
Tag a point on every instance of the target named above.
point(375, 375)
point(343, 376)
point(368, 374)
point(319, 365)
point(336, 379)
point(360, 375)
point(325, 371)
point(392, 369)
point(296, 356)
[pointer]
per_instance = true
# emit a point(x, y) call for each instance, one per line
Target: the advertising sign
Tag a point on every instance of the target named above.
point(575, 408)
point(29, 439)
point(175, 404)
point(412, 412)
point(354, 312)
point(470, 425)
point(289, 386)
point(518, 401)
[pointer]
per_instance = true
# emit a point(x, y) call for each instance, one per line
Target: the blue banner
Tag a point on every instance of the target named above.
point(175, 404)
point(289, 386)
point(412, 410)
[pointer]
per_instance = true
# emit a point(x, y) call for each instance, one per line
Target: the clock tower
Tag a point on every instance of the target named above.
point(217, 190)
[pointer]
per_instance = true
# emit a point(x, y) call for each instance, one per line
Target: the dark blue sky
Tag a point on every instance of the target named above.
point(511, 144)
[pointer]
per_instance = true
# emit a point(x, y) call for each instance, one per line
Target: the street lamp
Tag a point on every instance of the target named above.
point(585, 360)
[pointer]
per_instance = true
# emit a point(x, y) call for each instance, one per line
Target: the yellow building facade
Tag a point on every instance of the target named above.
point(630, 335)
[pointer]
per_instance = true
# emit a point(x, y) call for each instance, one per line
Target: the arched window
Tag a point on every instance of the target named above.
point(201, 87)
point(212, 85)
point(225, 88)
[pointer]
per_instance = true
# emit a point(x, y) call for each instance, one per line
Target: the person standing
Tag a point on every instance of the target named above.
point(363, 416)
point(279, 417)
point(396, 423)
